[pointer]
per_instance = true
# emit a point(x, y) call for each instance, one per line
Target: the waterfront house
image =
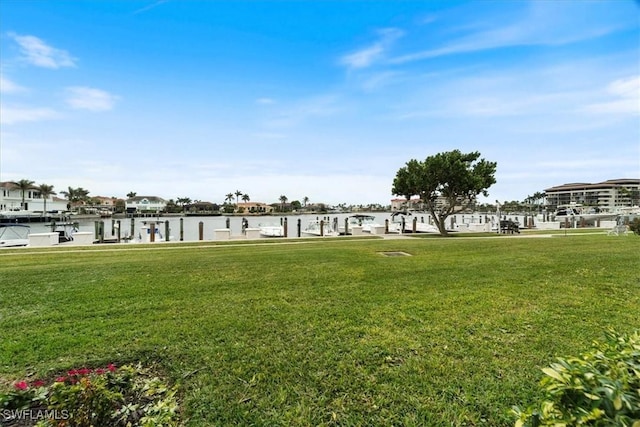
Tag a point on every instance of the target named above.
point(145, 204)
point(11, 199)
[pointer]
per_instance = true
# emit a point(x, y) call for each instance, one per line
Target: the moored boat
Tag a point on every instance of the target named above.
point(271, 230)
point(318, 228)
point(14, 235)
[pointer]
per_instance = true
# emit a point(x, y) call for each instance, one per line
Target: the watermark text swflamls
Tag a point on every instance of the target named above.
point(34, 414)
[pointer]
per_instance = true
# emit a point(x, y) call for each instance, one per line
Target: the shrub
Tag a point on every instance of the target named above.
point(125, 396)
point(600, 388)
point(635, 225)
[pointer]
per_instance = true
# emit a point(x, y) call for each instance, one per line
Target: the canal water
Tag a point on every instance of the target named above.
point(191, 225)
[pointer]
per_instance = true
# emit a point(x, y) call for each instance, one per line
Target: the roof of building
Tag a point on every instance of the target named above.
point(149, 198)
point(611, 183)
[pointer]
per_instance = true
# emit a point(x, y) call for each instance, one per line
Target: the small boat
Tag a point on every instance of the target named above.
point(367, 222)
point(579, 212)
point(65, 230)
point(317, 228)
point(401, 223)
point(14, 235)
point(271, 230)
point(147, 235)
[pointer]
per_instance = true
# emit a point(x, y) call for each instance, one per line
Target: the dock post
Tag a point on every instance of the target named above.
point(200, 230)
point(386, 226)
point(119, 231)
point(166, 230)
point(113, 227)
point(346, 226)
point(299, 227)
point(96, 230)
point(285, 227)
point(228, 222)
point(133, 226)
point(415, 225)
point(181, 229)
point(322, 227)
point(101, 231)
point(152, 232)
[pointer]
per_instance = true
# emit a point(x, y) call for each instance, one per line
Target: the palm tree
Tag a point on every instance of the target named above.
point(229, 197)
point(24, 185)
point(283, 200)
point(238, 194)
point(131, 194)
point(245, 198)
point(305, 200)
point(75, 195)
point(45, 191)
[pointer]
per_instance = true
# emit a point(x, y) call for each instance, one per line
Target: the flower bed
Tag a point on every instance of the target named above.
point(109, 396)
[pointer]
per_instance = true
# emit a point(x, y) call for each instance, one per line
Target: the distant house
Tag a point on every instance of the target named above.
point(11, 199)
point(145, 204)
point(416, 204)
point(254, 207)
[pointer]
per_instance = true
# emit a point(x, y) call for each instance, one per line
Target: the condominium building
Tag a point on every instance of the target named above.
point(608, 194)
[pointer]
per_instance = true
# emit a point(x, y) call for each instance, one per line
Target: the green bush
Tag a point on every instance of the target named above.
point(600, 388)
point(635, 226)
point(127, 396)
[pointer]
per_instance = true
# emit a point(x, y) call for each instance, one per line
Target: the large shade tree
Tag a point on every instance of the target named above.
point(447, 183)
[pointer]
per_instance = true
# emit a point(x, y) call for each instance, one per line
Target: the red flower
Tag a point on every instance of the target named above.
point(84, 371)
point(99, 371)
point(61, 379)
point(72, 372)
point(22, 385)
point(111, 367)
point(38, 383)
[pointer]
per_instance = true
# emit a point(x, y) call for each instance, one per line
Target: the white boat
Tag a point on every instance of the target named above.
point(65, 230)
point(367, 222)
point(402, 223)
point(317, 228)
point(14, 235)
point(581, 212)
point(271, 230)
point(146, 232)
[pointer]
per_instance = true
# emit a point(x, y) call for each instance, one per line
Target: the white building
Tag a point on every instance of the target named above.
point(609, 194)
point(11, 199)
point(145, 204)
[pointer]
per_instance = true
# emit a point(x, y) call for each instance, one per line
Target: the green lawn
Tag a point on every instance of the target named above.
point(325, 332)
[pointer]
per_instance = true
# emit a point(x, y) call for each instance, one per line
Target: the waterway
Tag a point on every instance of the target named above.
point(191, 225)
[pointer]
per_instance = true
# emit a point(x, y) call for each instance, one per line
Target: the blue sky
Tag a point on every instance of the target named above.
point(319, 99)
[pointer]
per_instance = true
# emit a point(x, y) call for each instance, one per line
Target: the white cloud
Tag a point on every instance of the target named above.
point(11, 115)
point(624, 98)
point(8, 86)
point(367, 56)
point(38, 53)
point(86, 98)
point(265, 101)
point(542, 24)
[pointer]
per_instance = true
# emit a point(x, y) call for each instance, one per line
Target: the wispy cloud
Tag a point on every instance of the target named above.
point(316, 107)
point(623, 98)
point(10, 115)
point(38, 53)
point(541, 24)
point(265, 101)
point(149, 7)
point(367, 56)
point(9, 86)
point(86, 98)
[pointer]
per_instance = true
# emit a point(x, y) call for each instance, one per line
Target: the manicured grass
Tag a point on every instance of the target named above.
point(327, 332)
